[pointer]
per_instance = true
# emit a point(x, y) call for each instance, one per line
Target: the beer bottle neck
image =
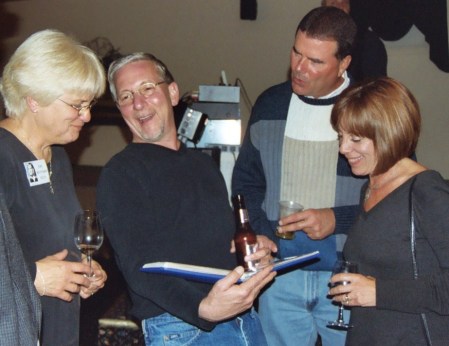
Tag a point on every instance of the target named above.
point(242, 216)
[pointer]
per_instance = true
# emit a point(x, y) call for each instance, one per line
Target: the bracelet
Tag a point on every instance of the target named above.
point(41, 278)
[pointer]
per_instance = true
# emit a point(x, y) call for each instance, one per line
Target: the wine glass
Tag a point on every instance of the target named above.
point(88, 234)
point(342, 267)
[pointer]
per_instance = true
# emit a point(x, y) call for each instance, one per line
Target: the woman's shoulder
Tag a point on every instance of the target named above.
point(10, 145)
point(430, 185)
point(6, 136)
point(430, 176)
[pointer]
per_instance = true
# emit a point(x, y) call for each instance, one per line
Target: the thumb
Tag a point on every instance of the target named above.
point(232, 277)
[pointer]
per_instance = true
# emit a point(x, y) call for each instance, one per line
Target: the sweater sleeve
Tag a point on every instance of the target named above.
point(248, 179)
point(350, 194)
point(344, 217)
point(249, 176)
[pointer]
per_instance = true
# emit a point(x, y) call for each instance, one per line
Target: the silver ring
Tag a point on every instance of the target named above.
point(346, 299)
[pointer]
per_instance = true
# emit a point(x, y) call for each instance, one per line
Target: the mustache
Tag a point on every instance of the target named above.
point(298, 75)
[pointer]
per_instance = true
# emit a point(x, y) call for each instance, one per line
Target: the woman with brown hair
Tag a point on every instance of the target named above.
point(400, 240)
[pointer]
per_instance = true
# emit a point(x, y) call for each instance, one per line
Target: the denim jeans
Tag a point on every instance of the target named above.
point(167, 330)
point(295, 308)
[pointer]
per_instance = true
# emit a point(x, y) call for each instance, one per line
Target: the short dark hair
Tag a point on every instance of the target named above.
point(330, 23)
point(384, 111)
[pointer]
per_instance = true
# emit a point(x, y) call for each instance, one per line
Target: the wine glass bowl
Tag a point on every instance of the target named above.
point(88, 234)
point(342, 267)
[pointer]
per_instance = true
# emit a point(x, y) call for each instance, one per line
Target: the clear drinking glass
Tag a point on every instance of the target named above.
point(287, 208)
point(88, 234)
point(342, 267)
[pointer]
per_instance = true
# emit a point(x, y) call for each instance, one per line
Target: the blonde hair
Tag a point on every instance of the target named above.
point(45, 66)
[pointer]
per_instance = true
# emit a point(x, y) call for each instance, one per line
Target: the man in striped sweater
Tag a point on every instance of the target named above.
point(290, 152)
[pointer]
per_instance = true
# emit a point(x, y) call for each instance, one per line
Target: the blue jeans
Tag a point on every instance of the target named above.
point(167, 330)
point(295, 309)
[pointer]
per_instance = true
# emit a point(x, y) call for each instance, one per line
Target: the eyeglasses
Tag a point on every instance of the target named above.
point(81, 109)
point(146, 90)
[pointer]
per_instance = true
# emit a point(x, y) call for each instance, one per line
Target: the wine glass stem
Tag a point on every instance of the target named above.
point(340, 314)
point(89, 260)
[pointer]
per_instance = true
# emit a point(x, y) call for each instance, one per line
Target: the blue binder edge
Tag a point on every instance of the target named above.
point(212, 275)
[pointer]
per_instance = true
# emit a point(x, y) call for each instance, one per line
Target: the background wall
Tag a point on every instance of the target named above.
point(199, 38)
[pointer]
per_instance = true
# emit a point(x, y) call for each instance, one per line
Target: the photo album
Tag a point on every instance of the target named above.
point(211, 275)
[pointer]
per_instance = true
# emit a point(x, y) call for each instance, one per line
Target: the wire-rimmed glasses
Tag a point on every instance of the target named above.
point(80, 108)
point(125, 98)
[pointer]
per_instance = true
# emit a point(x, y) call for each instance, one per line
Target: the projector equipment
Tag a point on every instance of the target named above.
point(221, 103)
point(192, 125)
point(219, 93)
point(222, 106)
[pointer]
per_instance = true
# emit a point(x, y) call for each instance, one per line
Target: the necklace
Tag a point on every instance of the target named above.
point(50, 173)
point(378, 185)
point(370, 188)
point(367, 194)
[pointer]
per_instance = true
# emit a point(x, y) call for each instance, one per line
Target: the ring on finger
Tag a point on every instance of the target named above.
point(346, 299)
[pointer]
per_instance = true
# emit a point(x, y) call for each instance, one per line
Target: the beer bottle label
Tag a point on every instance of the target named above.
point(243, 213)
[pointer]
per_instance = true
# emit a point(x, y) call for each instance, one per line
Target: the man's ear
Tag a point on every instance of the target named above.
point(174, 93)
point(344, 64)
point(32, 104)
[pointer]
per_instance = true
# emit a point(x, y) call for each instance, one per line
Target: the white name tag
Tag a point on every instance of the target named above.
point(37, 172)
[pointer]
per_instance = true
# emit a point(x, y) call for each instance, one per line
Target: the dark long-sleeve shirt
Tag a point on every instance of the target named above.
point(44, 225)
point(379, 242)
point(163, 205)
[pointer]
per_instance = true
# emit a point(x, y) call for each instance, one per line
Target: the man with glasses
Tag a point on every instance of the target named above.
point(160, 201)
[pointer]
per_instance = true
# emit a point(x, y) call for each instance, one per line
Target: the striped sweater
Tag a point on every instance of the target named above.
point(267, 161)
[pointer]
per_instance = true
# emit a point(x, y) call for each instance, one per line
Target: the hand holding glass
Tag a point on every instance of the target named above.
point(342, 267)
point(287, 208)
point(88, 234)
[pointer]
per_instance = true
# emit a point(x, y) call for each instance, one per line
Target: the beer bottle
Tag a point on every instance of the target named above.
point(244, 238)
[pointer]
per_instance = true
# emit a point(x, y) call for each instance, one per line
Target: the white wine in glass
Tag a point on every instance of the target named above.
point(88, 234)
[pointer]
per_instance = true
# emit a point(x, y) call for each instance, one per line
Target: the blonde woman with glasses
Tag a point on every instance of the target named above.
point(49, 86)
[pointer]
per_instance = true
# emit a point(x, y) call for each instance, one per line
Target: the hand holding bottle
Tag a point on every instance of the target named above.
point(253, 252)
point(264, 254)
point(245, 240)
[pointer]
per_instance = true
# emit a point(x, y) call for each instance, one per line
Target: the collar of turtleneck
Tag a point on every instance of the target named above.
point(329, 99)
point(318, 102)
